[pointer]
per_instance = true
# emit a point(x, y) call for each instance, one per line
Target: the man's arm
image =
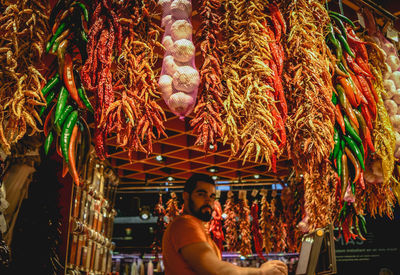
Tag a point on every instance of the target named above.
point(202, 259)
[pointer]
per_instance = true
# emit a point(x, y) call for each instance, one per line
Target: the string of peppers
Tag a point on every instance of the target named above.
point(66, 98)
point(355, 105)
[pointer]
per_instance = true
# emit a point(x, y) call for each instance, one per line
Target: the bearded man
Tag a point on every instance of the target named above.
point(187, 247)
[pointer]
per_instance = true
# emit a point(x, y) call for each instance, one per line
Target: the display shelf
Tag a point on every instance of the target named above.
point(89, 248)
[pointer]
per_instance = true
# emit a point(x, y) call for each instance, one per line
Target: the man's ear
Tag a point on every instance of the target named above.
point(185, 196)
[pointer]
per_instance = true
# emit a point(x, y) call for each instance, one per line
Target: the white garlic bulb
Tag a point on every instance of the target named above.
point(183, 50)
point(181, 9)
point(166, 22)
point(181, 29)
point(180, 102)
point(169, 65)
point(186, 79)
point(165, 83)
point(168, 43)
point(165, 5)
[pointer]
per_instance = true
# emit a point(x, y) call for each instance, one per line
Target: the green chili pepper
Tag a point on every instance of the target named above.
point(363, 223)
point(354, 148)
point(336, 44)
point(63, 116)
point(49, 98)
point(85, 99)
point(84, 36)
point(82, 93)
point(339, 163)
point(83, 9)
point(341, 66)
point(61, 102)
point(60, 29)
point(66, 133)
point(341, 25)
point(353, 188)
point(47, 143)
point(357, 223)
point(334, 99)
point(342, 17)
point(336, 149)
point(51, 84)
point(346, 45)
point(351, 130)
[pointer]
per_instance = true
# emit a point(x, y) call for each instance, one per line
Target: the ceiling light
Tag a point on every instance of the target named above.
point(211, 147)
point(212, 169)
point(224, 216)
point(170, 178)
point(256, 176)
point(159, 158)
point(214, 177)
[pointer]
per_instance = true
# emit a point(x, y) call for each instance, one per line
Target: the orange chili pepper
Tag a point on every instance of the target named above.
point(339, 119)
point(368, 95)
point(71, 155)
point(358, 86)
point(348, 91)
point(69, 80)
point(354, 161)
point(64, 169)
point(46, 129)
point(372, 89)
point(58, 148)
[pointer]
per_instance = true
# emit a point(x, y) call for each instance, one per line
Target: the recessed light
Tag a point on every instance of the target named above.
point(256, 176)
point(214, 177)
point(211, 147)
point(170, 178)
point(159, 158)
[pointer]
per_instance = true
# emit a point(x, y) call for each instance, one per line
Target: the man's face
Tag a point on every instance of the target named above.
point(201, 201)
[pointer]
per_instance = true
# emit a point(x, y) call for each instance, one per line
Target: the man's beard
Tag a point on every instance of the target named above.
point(204, 216)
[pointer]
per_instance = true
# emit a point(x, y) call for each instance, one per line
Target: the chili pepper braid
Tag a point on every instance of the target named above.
point(312, 115)
point(23, 25)
point(208, 127)
point(253, 123)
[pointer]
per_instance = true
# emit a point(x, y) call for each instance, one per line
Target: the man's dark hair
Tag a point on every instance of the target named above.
point(191, 183)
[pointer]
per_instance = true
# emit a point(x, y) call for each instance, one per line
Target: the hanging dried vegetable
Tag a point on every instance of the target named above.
point(253, 123)
point(160, 212)
point(255, 229)
point(265, 223)
point(134, 115)
point(291, 215)
point(243, 213)
point(216, 226)
point(279, 233)
point(230, 225)
point(312, 114)
point(385, 65)
point(23, 29)
point(179, 79)
point(357, 97)
point(172, 210)
point(64, 122)
point(104, 42)
point(207, 123)
point(379, 195)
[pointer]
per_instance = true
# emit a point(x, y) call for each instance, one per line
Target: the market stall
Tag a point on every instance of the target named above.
point(108, 107)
